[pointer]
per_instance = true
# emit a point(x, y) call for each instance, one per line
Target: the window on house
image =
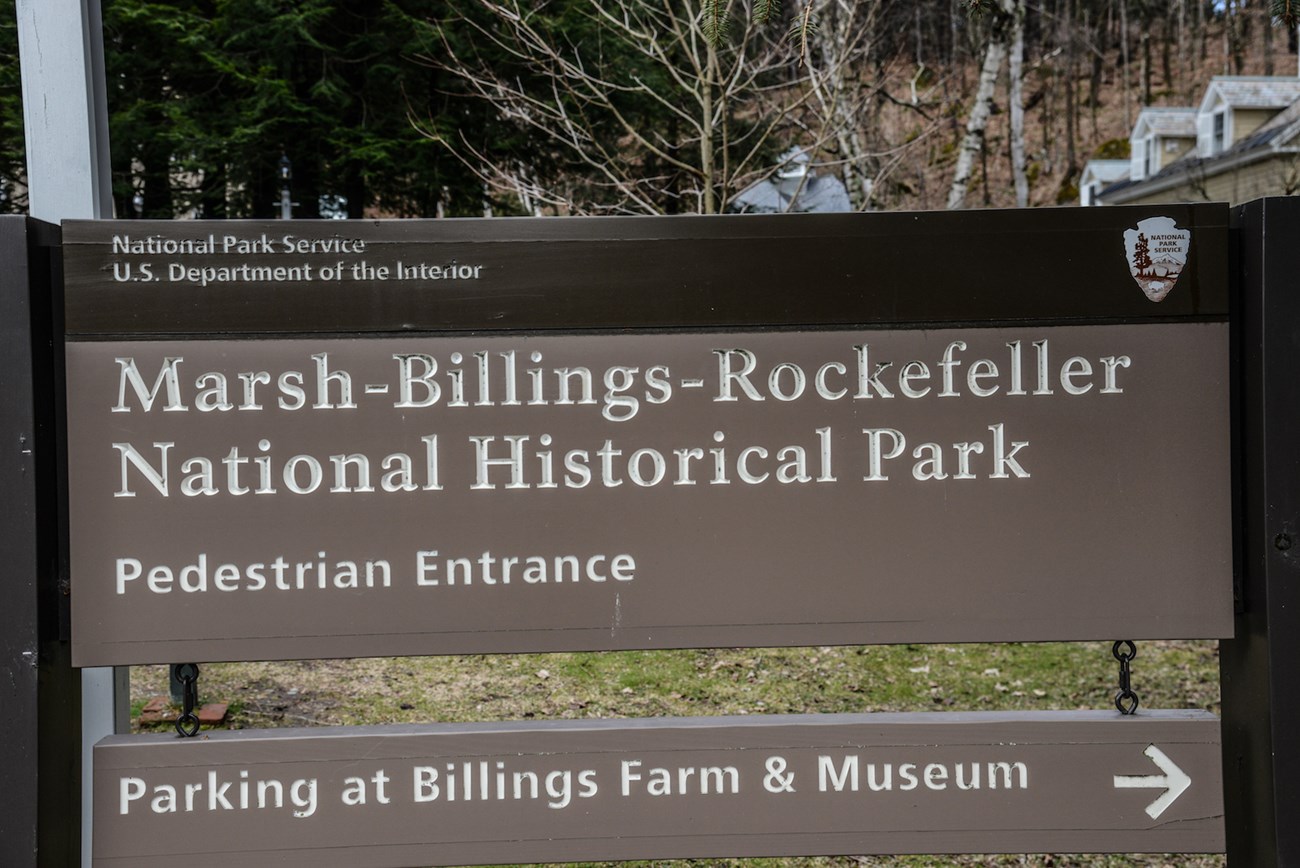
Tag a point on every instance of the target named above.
point(1220, 123)
point(1148, 150)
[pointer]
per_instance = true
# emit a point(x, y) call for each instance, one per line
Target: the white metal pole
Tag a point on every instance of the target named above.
point(65, 113)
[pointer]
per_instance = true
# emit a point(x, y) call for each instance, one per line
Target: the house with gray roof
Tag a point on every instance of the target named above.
point(1160, 137)
point(795, 186)
point(1099, 174)
point(1240, 143)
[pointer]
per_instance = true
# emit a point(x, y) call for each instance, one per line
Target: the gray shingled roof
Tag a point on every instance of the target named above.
point(1278, 132)
point(1107, 170)
point(793, 187)
point(820, 194)
point(1247, 91)
point(1174, 122)
point(1129, 182)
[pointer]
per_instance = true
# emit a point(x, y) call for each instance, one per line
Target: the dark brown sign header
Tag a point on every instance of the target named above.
point(305, 498)
point(200, 279)
point(594, 790)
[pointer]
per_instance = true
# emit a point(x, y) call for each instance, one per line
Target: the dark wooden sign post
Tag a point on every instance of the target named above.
point(297, 440)
point(870, 428)
point(1261, 706)
point(302, 440)
point(40, 697)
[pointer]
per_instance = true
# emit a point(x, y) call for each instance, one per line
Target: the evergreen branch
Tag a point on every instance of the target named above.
point(715, 20)
point(765, 10)
point(1284, 13)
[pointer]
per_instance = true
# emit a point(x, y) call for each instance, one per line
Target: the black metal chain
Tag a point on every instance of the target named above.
point(187, 725)
point(1125, 699)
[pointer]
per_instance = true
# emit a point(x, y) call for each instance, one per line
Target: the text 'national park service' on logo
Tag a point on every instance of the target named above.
point(1157, 252)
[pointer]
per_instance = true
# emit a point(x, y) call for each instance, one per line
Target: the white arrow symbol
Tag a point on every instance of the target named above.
point(1174, 778)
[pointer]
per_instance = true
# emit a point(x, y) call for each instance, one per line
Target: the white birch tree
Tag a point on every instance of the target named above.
point(839, 48)
point(1001, 18)
point(1015, 97)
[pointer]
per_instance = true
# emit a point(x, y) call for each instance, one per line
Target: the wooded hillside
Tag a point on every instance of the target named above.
point(427, 107)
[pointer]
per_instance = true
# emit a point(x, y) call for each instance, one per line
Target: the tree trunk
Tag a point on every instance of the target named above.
point(1124, 64)
point(1166, 50)
point(1098, 36)
point(354, 189)
point(708, 205)
point(1071, 93)
point(1268, 44)
point(954, 38)
point(123, 184)
point(1146, 62)
point(264, 195)
point(843, 45)
point(1239, 22)
point(213, 201)
point(306, 187)
point(919, 59)
point(1201, 30)
point(984, 177)
point(1045, 120)
point(1182, 46)
point(156, 159)
point(1017, 105)
point(963, 46)
point(973, 142)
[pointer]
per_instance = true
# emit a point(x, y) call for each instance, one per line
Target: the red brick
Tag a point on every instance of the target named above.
point(213, 713)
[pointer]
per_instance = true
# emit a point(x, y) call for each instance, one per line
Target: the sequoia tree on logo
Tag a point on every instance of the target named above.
point(1142, 257)
point(1157, 252)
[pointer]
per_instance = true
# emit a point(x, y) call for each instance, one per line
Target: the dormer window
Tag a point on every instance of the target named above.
point(1148, 151)
point(1220, 125)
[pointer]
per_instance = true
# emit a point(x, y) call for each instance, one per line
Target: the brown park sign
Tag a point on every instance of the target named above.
point(667, 788)
point(749, 464)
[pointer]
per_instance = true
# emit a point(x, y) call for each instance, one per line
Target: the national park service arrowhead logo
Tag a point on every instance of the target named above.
point(1157, 251)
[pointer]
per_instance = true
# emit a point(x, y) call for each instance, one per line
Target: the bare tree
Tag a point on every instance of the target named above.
point(1001, 20)
point(846, 92)
point(842, 43)
point(1124, 62)
point(658, 106)
point(576, 101)
point(1015, 97)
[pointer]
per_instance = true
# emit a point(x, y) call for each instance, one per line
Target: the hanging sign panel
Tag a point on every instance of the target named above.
point(570, 791)
point(243, 488)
